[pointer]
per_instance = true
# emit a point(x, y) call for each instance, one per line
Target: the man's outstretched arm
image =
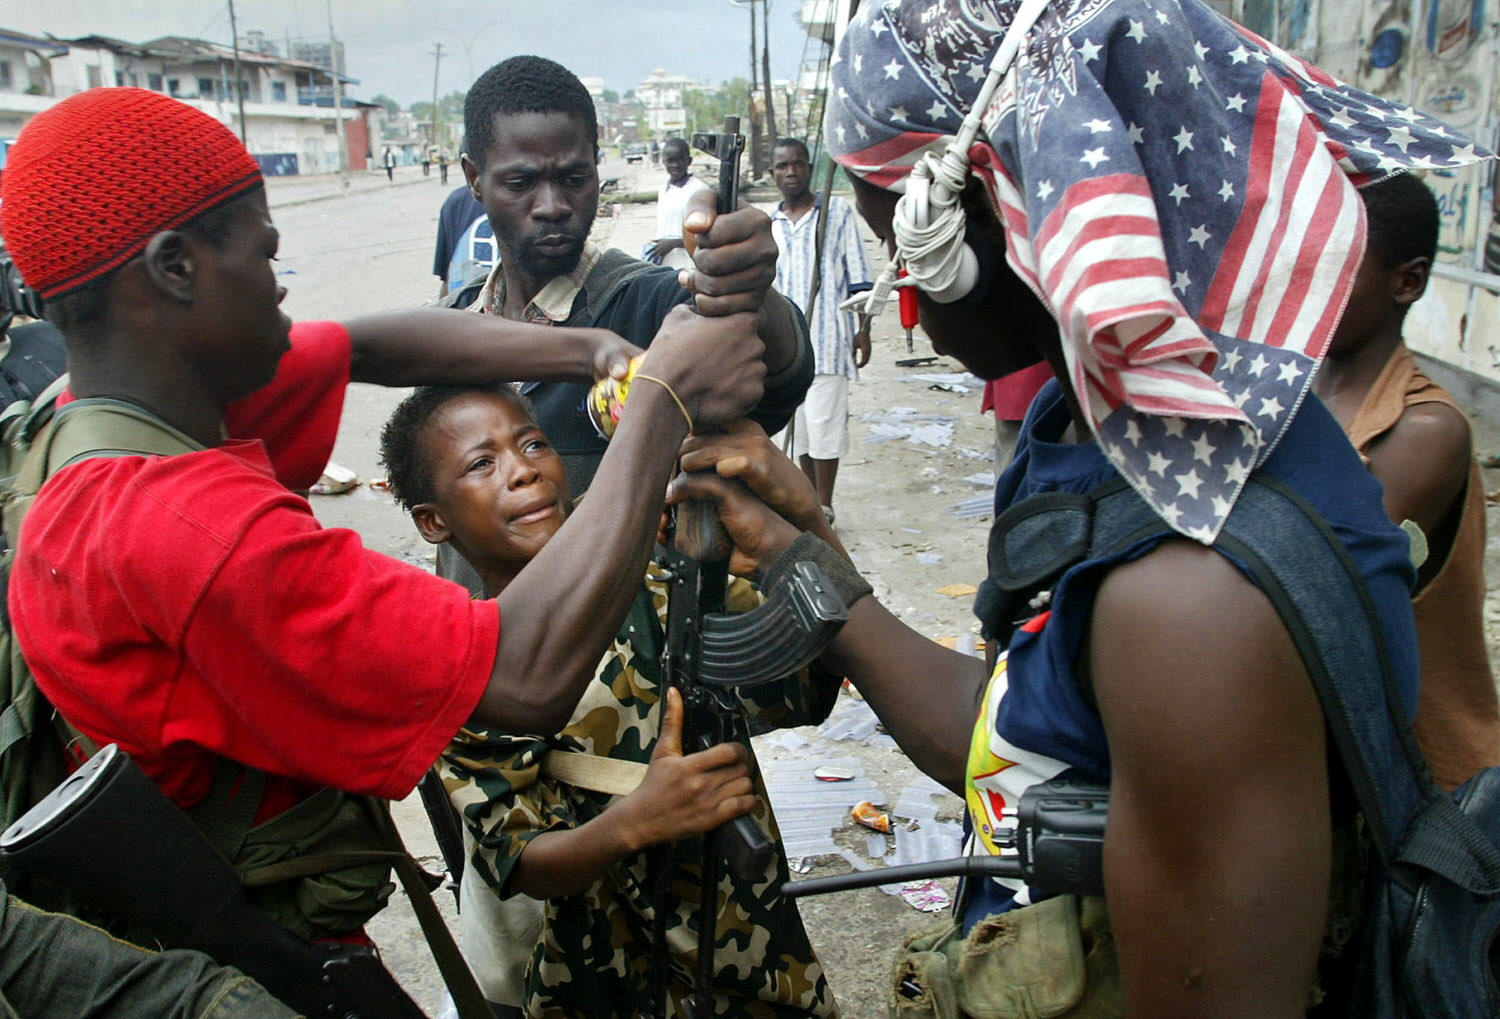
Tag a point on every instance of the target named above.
point(927, 696)
point(562, 610)
point(1216, 857)
point(446, 346)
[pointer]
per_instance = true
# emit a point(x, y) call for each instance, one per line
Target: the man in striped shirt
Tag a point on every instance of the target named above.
point(840, 347)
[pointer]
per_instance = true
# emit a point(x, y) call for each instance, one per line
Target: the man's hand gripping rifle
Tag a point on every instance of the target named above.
point(710, 654)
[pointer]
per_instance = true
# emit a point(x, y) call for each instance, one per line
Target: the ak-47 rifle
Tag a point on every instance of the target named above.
point(709, 654)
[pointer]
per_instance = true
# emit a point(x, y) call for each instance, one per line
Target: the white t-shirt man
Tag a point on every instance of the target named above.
point(671, 206)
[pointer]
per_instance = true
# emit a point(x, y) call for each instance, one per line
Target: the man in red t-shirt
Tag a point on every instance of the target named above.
point(190, 608)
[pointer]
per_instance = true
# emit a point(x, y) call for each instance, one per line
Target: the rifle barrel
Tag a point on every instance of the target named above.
point(962, 866)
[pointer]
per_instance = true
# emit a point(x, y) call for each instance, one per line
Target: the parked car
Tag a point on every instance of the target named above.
point(635, 152)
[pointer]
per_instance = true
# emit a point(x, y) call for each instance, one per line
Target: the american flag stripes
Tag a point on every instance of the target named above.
point(1179, 192)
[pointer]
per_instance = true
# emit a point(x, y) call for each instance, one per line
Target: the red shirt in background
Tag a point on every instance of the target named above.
point(190, 607)
point(1010, 395)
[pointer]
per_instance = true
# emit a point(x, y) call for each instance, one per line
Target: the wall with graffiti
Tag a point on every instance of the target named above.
point(1440, 56)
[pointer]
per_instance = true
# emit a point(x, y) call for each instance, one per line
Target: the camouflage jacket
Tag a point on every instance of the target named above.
point(594, 957)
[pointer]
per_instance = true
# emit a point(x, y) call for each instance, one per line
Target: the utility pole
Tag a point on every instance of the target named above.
point(765, 69)
point(751, 5)
point(437, 60)
point(234, 33)
point(338, 108)
point(757, 164)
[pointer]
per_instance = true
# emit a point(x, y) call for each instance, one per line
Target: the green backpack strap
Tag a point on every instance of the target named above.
point(83, 430)
point(102, 427)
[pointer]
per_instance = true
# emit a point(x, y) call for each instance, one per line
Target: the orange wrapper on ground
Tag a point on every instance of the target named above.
point(871, 816)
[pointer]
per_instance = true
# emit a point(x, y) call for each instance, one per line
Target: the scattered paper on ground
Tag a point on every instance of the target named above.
point(935, 430)
point(957, 590)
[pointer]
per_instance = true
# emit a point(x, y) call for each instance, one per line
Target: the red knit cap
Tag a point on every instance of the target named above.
point(90, 180)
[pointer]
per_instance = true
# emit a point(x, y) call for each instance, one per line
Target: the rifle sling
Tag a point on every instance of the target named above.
point(596, 774)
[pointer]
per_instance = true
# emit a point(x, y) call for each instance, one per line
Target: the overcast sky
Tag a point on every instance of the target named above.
point(388, 43)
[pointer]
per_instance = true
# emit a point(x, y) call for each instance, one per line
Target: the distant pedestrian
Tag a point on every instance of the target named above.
point(671, 206)
point(840, 339)
point(390, 164)
point(443, 167)
point(655, 152)
point(426, 162)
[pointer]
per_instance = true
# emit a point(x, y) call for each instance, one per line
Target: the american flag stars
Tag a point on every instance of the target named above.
point(1203, 450)
point(1147, 169)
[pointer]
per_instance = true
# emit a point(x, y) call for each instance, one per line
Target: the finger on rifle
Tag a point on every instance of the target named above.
point(733, 433)
point(705, 283)
point(731, 227)
point(718, 307)
point(735, 466)
point(669, 743)
point(736, 785)
point(738, 806)
point(731, 756)
point(706, 486)
point(702, 210)
point(725, 456)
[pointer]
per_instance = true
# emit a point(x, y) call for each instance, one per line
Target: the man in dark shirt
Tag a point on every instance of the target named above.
point(530, 160)
point(465, 243)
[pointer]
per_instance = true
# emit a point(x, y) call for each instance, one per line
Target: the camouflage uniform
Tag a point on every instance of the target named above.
point(594, 957)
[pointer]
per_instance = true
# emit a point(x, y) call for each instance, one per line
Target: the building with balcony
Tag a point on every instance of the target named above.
point(25, 77)
point(290, 124)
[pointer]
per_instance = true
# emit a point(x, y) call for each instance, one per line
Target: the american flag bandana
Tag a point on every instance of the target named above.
point(1179, 192)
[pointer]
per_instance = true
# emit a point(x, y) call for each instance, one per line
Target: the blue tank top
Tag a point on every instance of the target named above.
point(1036, 722)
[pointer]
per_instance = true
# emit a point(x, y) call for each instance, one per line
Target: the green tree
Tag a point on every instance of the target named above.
point(391, 106)
point(707, 109)
point(611, 96)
